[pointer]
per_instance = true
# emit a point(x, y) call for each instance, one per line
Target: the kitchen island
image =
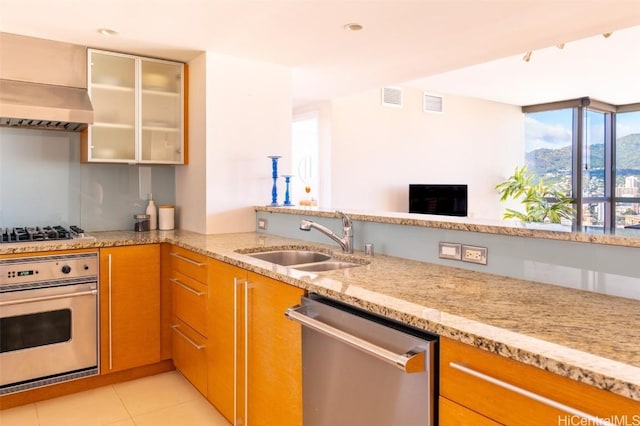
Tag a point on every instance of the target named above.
point(588, 337)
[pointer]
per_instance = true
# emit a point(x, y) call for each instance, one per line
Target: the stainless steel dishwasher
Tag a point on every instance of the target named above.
point(361, 369)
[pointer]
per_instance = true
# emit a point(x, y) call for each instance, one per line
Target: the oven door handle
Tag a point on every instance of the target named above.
point(53, 297)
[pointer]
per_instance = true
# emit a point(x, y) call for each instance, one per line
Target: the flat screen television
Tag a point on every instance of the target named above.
point(448, 200)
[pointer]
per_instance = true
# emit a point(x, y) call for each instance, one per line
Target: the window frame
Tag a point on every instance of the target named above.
point(580, 107)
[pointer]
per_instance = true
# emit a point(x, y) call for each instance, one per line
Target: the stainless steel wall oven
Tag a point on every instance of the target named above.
point(48, 319)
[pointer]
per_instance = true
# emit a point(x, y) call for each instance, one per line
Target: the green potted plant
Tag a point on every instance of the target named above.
point(542, 202)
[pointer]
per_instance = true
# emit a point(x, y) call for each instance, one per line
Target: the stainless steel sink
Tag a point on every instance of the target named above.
point(291, 257)
point(304, 260)
point(328, 265)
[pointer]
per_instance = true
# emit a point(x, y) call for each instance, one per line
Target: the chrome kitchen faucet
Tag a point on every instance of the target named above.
point(346, 241)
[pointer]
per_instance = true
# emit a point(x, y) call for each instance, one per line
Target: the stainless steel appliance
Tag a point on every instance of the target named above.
point(42, 233)
point(48, 319)
point(43, 84)
point(360, 369)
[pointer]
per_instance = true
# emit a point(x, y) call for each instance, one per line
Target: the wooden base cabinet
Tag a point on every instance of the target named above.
point(275, 354)
point(453, 414)
point(255, 374)
point(129, 307)
point(226, 343)
point(166, 304)
point(188, 277)
point(512, 393)
point(189, 354)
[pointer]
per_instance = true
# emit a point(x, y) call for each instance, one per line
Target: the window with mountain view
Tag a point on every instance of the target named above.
point(594, 179)
point(627, 170)
point(548, 147)
point(605, 178)
point(548, 141)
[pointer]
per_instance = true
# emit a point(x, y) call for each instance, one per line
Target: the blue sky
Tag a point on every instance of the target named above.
point(549, 129)
point(552, 129)
point(627, 124)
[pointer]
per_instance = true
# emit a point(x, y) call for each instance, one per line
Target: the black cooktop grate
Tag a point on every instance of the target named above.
point(38, 233)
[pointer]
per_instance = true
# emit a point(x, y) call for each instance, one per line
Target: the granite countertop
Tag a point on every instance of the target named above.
point(589, 337)
point(487, 226)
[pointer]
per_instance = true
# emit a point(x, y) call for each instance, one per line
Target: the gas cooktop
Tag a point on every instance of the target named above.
point(29, 234)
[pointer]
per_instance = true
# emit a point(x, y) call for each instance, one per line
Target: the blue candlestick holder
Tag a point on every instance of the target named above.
point(287, 200)
point(274, 175)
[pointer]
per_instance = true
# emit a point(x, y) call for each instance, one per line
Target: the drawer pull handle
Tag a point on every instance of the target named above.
point(186, 259)
point(539, 398)
point(186, 287)
point(185, 337)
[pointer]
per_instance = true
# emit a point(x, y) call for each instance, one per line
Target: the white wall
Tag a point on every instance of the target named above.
point(248, 118)
point(377, 151)
point(190, 179)
point(239, 113)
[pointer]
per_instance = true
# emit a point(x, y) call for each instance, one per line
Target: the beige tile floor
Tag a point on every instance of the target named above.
point(166, 399)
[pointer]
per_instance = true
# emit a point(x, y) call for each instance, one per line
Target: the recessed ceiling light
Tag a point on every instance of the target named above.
point(107, 32)
point(353, 27)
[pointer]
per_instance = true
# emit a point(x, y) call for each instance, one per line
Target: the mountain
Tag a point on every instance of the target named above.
point(546, 161)
point(628, 152)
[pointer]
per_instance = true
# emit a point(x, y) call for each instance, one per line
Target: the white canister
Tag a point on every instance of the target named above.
point(166, 216)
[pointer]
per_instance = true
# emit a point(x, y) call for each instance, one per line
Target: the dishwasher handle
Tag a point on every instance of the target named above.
point(409, 362)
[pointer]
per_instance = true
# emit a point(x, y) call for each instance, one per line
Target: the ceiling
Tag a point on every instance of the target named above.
point(603, 69)
point(401, 40)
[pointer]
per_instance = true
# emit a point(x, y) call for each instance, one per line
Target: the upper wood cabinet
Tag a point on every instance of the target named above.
point(139, 110)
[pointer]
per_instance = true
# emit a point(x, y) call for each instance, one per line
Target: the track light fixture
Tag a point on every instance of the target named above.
point(527, 56)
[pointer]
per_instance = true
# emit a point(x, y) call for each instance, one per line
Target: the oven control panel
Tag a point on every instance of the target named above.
point(25, 270)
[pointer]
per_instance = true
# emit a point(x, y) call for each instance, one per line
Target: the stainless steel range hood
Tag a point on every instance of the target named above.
point(44, 106)
point(43, 84)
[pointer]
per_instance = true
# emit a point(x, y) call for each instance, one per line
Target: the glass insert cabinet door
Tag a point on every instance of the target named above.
point(112, 88)
point(138, 110)
point(161, 109)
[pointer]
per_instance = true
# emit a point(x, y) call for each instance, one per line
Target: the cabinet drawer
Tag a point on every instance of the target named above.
point(189, 263)
point(509, 406)
point(452, 414)
point(189, 301)
point(188, 349)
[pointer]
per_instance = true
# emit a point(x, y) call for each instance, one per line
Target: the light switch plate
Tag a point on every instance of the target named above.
point(449, 251)
point(262, 223)
point(474, 254)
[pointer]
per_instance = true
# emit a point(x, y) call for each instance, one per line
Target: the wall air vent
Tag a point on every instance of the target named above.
point(432, 103)
point(392, 96)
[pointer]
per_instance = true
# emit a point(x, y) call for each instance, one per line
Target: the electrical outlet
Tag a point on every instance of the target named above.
point(474, 254)
point(262, 223)
point(449, 251)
